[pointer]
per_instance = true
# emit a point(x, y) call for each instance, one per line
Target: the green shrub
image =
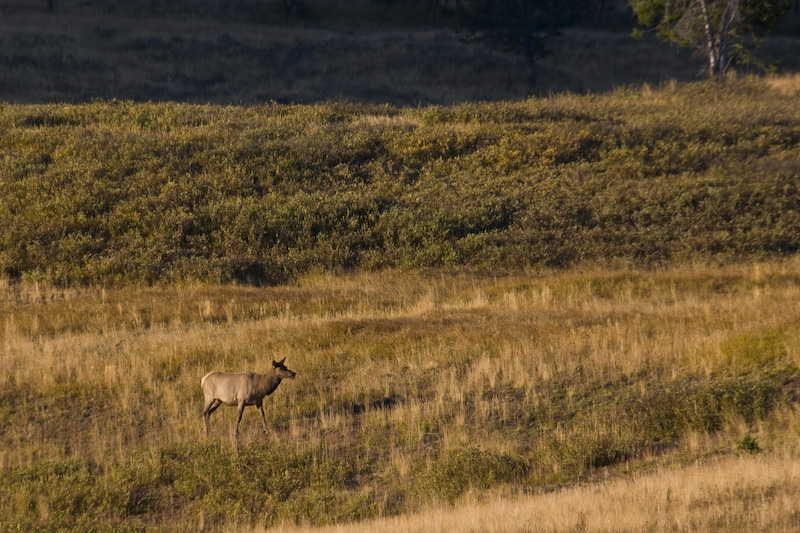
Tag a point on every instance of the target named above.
point(748, 445)
point(760, 350)
point(702, 405)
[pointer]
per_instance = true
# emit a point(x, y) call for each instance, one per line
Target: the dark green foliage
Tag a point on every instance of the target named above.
point(603, 425)
point(466, 468)
point(720, 29)
point(261, 485)
point(762, 349)
point(748, 444)
point(62, 495)
point(518, 26)
point(694, 405)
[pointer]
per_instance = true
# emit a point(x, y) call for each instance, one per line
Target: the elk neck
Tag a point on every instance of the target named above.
point(267, 383)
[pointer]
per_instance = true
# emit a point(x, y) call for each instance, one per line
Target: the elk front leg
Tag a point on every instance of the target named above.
point(263, 418)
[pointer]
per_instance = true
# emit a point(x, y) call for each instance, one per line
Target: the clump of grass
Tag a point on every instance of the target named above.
point(748, 445)
point(788, 85)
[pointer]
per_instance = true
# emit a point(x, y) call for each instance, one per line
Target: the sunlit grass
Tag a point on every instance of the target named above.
point(788, 85)
point(730, 493)
point(413, 390)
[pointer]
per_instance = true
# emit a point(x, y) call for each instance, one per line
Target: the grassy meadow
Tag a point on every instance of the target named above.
point(561, 313)
point(741, 493)
point(414, 391)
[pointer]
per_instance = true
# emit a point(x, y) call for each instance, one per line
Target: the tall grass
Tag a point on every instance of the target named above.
point(414, 390)
point(722, 494)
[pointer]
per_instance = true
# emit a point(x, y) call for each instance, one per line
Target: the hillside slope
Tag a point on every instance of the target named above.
point(246, 51)
point(117, 192)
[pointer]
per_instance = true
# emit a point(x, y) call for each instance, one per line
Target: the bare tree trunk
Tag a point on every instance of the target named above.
point(731, 10)
point(718, 44)
point(713, 58)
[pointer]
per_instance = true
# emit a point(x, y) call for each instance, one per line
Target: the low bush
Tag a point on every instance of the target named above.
point(117, 192)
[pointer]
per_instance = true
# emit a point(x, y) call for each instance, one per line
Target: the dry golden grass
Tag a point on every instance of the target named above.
point(788, 85)
point(730, 493)
point(397, 371)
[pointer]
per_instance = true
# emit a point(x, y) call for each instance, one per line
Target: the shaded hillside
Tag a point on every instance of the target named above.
point(249, 52)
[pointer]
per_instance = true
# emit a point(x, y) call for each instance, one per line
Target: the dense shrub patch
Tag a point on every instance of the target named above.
point(122, 192)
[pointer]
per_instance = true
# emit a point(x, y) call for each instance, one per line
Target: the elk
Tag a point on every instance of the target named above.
point(241, 389)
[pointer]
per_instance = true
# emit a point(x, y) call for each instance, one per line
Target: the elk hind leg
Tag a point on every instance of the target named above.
point(209, 408)
point(238, 419)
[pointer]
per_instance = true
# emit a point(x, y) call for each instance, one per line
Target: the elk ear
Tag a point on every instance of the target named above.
point(282, 361)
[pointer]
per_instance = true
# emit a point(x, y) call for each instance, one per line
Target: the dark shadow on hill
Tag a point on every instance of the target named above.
point(248, 52)
point(374, 405)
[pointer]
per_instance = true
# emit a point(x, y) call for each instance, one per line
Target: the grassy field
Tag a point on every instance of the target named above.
point(742, 493)
point(671, 388)
point(573, 302)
